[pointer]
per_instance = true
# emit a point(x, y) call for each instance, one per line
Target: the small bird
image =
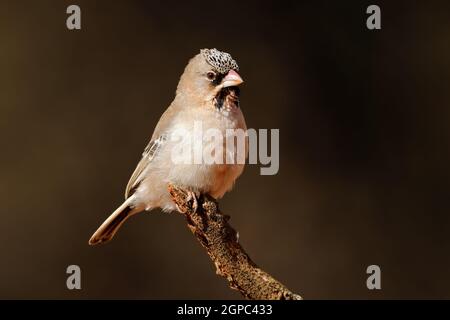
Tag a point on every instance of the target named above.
point(207, 92)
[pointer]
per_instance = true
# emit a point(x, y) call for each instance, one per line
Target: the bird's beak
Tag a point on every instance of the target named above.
point(231, 79)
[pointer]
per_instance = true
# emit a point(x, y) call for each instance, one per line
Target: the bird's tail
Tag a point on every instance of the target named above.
point(109, 228)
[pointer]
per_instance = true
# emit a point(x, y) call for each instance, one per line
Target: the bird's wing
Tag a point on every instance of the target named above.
point(147, 156)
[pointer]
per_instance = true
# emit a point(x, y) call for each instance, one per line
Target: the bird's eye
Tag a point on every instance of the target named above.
point(211, 75)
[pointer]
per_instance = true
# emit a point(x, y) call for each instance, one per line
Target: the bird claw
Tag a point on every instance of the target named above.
point(191, 195)
point(180, 209)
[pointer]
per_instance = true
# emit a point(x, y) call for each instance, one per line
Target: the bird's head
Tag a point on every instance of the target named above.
point(208, 75)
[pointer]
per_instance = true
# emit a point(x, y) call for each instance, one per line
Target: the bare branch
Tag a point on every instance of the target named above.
point(219, 239)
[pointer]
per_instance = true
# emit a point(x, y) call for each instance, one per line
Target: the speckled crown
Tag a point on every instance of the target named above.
point(221, 61)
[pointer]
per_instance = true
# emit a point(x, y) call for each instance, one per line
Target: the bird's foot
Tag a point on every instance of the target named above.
point(193, 196)
point(185, 199)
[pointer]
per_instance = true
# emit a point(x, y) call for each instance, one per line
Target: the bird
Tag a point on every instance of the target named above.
point(207, 92)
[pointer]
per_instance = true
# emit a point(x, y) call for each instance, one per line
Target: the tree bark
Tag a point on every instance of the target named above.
point(220, 240)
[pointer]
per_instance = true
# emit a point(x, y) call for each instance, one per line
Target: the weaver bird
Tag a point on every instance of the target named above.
point(207, 92)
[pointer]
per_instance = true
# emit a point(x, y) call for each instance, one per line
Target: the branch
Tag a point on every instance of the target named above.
point(220, 240)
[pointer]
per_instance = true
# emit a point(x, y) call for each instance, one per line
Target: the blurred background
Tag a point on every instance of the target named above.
point(363, 118)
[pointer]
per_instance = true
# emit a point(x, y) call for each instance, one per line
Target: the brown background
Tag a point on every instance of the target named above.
point(363, 119)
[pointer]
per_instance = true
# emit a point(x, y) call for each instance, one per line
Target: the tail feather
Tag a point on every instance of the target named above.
point(109, 228)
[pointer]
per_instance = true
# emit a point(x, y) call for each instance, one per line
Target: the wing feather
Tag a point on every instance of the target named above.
point(147, 156)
